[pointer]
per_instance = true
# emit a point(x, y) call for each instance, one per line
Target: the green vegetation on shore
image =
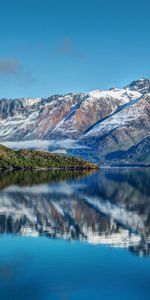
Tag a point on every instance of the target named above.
point(31, 159)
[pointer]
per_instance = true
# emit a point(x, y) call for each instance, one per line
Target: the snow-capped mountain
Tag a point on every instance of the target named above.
point(142, 85)
point(103, 126)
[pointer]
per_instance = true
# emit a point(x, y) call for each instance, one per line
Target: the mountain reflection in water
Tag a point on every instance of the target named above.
point(110, 207)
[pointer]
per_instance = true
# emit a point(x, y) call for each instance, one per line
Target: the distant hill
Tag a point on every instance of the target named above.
point(30, 159)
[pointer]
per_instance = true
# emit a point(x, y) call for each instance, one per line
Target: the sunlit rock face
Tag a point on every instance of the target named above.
point(64, 116)
point(110, 127)
point(111, 207)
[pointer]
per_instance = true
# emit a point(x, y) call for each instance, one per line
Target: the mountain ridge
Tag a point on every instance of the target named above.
point(98, 122)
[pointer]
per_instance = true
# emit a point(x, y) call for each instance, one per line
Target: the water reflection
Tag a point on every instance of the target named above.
point(109, 207)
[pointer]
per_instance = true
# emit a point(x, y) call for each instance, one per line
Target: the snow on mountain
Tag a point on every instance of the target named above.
point(30, 101)
point(64, 116)
point(115, 93)
point(110, 120)
point(121, 117)
point(142, 85)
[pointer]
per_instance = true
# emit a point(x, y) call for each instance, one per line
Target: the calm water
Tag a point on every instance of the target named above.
point(72, 235)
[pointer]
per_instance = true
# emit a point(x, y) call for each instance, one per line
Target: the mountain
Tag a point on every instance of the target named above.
point(141, 85)
point(103, 126)
point(31, 159)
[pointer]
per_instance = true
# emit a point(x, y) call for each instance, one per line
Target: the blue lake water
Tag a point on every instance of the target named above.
point(73, 235)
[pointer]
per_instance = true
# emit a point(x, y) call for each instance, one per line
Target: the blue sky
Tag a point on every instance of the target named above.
point(60, 46)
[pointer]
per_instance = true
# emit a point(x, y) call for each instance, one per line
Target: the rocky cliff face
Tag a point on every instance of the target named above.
point(105, 125)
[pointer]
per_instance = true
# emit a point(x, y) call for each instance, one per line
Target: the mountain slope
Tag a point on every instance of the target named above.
point(92, 125)
point(141, 85)
point(138, 154)
point(59, 116)
point(121, 131)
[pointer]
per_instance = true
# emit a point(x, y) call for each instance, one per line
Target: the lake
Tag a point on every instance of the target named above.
point(75, 235)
